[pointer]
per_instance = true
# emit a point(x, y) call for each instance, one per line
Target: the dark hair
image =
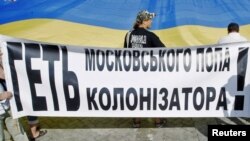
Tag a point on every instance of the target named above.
point(233, 27)
point(136, 25)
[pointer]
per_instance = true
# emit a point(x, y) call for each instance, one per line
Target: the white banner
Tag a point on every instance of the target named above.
point(59, 80)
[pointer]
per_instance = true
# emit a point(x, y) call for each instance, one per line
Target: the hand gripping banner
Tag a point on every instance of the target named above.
point(69, 81)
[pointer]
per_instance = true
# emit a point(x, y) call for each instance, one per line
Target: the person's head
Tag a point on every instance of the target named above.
point(233, 27)
point(144, 19)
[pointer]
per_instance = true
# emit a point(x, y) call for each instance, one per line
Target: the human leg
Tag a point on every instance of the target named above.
point(35, 127)
point(1, 128)
point(4, 134)
point(136, 122)
point(159, 122)
point(15, 129)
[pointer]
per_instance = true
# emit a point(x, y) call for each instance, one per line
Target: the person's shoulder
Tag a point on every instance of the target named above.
point(223, 40)
point(129, 32)
point(151, 33)
point(244, 38)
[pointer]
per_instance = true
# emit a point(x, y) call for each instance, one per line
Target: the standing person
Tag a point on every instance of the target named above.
point(233, 35)
point(13, 125)
point(140, 37)
point(4, 114)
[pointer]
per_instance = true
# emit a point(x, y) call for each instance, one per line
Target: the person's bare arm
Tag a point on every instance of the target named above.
point(5, 95)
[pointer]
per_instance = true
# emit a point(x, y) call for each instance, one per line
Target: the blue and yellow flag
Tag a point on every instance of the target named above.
point(105, 23)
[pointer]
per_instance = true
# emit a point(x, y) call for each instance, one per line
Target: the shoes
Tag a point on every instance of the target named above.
point(160, 124)
point(41, 133)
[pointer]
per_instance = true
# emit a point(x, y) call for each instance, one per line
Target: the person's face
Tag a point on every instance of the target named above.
point(147, 23)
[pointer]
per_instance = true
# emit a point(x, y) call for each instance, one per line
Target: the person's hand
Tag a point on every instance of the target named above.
point(6, 95)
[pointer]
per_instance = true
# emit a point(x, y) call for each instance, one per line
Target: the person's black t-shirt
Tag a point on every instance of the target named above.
point(142, 38)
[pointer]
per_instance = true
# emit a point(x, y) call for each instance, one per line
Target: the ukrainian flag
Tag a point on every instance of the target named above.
point(104, 23)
